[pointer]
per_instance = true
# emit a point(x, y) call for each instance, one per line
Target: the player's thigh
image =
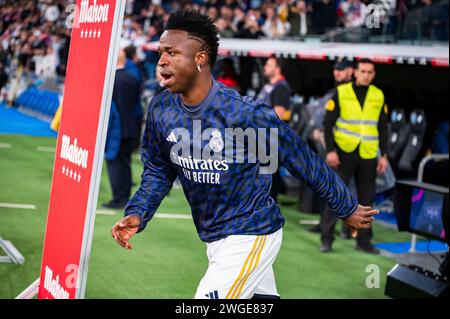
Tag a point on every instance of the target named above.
point(267, 286)
point(238, 265)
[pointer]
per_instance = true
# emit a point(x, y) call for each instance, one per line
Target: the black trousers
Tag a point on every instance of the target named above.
point(119, 171)
point(364, 172)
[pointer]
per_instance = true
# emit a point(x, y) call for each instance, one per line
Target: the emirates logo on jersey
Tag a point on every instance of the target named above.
point(221, 147)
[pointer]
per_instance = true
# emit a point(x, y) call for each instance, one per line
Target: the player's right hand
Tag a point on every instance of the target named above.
point(333, 159)
point(362, 218)
point(124, 229)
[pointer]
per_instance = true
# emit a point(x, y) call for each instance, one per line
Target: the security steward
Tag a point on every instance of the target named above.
point(356, 139)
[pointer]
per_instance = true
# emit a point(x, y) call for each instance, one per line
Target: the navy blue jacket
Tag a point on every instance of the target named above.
point(114, 135)
point(226, 197)
point(126, 94)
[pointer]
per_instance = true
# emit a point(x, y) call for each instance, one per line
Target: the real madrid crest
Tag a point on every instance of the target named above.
point(216, 141)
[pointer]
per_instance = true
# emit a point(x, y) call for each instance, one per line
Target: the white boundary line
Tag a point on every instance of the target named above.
point(105, 212)
point(20, 206)
point(47, 149)
point(5, 145)
point(309, 222)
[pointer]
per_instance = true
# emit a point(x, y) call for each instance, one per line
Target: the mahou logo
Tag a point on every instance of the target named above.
point(53, 286)
point(93, 12)
point(73, 153)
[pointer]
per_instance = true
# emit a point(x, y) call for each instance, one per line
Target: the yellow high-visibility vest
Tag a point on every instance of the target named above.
point(358, 125)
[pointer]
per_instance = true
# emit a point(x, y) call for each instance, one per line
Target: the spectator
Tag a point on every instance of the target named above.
point(46, 63)
point(113, 135)
point(277, 90)
point(131, 65)
point(3, 76)
point(25, 55)
point(213, 13)
point(226, 13)
point(282, 9)
point(298, 19)
point(61, 47)
point(138, 41)
point(274, 27)
point(433, 19)
point(355, 132)
point(31, 36)
point(151, 57)
point(239, 19)
point(3, 56)
point(126, 97)
point(26, 30)
point(323, 15)
point(132, 68)
point(277, 93)
point(342, 73)
point(224, 27)
point(250, 28)
point(352, 13)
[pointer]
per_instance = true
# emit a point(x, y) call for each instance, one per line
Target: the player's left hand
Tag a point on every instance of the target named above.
point(361, 218)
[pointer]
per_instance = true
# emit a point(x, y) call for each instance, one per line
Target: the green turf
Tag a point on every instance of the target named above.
point(169, 259)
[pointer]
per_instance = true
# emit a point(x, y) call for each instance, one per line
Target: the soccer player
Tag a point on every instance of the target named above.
point(231, 207)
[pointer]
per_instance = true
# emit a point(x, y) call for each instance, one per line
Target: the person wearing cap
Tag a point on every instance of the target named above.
point(342, 73)
point(356, 144)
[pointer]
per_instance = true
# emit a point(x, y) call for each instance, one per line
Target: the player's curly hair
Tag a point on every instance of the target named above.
point(197, 25)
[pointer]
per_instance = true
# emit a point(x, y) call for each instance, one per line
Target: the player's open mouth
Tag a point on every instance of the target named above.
point(166, 78)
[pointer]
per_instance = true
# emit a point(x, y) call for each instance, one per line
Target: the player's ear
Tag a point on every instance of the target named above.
point(201, 58)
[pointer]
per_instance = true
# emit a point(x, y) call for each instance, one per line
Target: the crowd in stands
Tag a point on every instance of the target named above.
point(292, 19)
point(33, 37)
point(36, 34)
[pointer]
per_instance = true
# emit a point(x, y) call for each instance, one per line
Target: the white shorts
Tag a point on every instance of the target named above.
point(240, 266)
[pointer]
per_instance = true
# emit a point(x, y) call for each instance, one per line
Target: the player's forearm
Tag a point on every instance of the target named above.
point(303, 163)
point(325, 183)
point(148, 197)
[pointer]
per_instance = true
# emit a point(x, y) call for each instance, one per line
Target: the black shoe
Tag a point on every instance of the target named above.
point(315, 229)
point(346, 235)
point(114, 205)
point(325, 248)
point(369, 249)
